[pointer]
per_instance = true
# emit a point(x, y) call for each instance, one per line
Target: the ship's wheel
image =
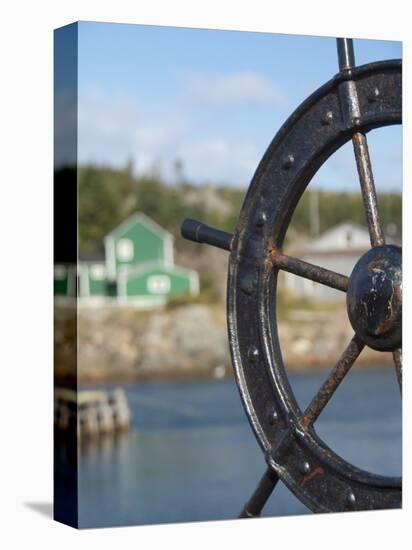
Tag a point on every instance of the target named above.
point(356, 101)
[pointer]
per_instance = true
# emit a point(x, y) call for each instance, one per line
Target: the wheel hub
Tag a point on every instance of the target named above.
point(374, 298)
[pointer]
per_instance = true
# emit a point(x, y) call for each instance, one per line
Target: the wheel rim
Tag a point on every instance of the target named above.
point(320, 126)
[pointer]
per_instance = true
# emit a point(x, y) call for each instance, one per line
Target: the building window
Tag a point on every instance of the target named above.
point(60, 272)
point(125, 250)
point(158, 284)
point(97, 272)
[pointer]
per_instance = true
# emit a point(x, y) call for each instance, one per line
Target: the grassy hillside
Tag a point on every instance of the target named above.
point(107, 196)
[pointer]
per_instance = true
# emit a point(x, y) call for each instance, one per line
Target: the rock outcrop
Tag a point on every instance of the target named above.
point(190, 340)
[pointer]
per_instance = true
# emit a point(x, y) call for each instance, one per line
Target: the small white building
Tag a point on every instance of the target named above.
point(337, 249)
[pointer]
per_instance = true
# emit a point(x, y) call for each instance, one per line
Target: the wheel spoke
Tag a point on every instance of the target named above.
point(257, 501)
point(397, 358)
point(310, 271)
point(370, 201)
point(330, 385)
point(199, 232)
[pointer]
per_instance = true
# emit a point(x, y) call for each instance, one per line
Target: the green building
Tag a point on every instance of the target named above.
point(134, 267)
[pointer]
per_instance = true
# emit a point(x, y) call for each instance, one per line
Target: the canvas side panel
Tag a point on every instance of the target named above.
point(65, 275)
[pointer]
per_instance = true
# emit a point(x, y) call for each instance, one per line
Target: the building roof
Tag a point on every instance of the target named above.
point(139, 217)
point(347, 238)
point(344, 236)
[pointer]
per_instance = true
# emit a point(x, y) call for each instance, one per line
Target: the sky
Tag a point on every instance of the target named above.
point(212, 99)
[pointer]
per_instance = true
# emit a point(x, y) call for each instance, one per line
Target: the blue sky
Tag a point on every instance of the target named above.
point(213, 99)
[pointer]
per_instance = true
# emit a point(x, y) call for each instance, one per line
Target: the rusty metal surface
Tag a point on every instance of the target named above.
point(199, 232)
point(331, 384)
point(367, 183)
point(354, 102)
point(346, 54)
point(374, 298)
point(257, 501)
point(309, 271)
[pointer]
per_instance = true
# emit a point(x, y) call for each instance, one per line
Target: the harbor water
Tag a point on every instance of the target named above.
point(191, 455)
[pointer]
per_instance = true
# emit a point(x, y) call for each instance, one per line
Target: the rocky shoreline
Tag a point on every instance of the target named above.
point(184, 342)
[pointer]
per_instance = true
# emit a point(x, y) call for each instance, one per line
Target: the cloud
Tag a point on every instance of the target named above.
point(116, 128)
point(220, 159)
point(237, 88)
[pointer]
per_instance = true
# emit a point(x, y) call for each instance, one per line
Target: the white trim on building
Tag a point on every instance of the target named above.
point(122, 285)
point(194, 282)
point(168, 249)
point(110, 257)
point(84, 281)
point(143, 219)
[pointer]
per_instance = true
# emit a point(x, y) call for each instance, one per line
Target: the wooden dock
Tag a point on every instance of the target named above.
point(94, 413)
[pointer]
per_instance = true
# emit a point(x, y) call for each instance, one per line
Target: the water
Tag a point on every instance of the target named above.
point(192, 456)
